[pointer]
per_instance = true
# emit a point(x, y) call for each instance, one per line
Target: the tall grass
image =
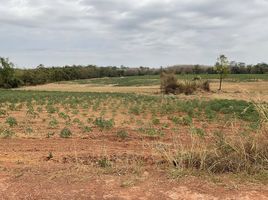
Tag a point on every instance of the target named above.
point(223, 152)
point(171, 85)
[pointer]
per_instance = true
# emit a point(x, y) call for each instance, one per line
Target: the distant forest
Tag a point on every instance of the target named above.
point(13, 77)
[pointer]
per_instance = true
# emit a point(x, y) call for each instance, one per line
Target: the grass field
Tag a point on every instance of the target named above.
point(130, 143)
point(155, 80)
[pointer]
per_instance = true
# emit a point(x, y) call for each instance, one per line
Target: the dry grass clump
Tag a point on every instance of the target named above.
point(224, 154)
point(170, 85)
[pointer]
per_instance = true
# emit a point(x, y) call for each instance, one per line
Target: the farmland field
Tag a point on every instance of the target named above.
point(130, 142)
point(149, 80)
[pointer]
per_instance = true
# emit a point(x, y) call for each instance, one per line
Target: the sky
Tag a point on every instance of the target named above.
point(133, 33)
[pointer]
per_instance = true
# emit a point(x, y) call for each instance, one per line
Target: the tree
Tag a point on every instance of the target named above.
point(7, 72)
point(222, 68)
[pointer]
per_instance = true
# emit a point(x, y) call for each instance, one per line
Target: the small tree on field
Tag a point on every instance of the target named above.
point(222, 68)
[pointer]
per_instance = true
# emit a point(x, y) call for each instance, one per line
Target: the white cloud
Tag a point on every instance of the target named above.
point(130, 32)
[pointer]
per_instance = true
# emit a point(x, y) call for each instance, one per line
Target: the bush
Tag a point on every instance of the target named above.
point(206, 86)
point(170, 85)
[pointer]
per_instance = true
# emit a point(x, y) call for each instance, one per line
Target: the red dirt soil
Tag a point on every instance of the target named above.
point(27, 172)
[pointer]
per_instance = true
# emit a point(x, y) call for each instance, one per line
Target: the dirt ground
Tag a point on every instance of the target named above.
point(75, 168)
point(231, 90)
point(28, 173)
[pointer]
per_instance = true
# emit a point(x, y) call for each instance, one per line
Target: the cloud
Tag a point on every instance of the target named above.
point(133, 33)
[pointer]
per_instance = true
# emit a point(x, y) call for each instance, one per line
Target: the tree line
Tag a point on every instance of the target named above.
point(11, 77)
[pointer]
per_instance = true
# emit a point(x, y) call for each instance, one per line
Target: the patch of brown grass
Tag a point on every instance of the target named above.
point(170, 85)
point(220, 153)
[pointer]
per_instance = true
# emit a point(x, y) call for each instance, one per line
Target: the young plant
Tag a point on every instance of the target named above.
point(65, 133)
point(6, 133)
point(222, 68)
point(122, 134)
point(53, 123)
point(104, 124)
point(11, 121)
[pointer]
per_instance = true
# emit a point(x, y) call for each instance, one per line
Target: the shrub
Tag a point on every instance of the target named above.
point(170, 85)
point(205, 86)
point(65, 133)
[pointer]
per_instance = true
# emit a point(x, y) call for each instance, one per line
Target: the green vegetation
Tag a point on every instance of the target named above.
point(11, 121)
point(104, 124)
point(212, 136)
point(65, 133)
point(147, 104)
point(6, 133)
point(7, 74)
point(222, 68)
point(11, 77)
point(149, 80)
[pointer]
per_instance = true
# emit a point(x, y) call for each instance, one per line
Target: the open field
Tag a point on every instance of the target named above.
point(132, 142)
point(150, 80)
point(231, 90)
point(84, 145)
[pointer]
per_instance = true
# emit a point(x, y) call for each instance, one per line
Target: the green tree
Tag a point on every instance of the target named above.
point(222, 68)
point(7, 74)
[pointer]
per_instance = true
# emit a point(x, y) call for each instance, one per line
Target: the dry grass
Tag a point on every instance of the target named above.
point(171, 85)
point(222, 153)
point(231, 90)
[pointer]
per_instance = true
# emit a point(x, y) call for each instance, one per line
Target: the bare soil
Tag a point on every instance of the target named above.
point(73, 173)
